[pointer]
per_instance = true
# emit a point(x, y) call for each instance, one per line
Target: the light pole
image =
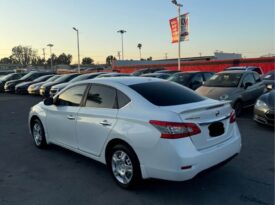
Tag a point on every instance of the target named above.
point(179, 30)
point(51, 45)
point(77, 48)
point(122, 51)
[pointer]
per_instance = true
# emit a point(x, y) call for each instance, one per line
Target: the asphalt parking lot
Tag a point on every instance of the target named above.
point(57, 176)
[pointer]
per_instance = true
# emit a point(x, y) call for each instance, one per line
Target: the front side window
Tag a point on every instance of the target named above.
point(100, 96)
point(72, 96)
point(257, 78)
point(207, 76)
point(248, 79)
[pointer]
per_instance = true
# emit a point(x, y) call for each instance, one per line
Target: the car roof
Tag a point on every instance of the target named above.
point(241, 67)
point(122, 80)
point(237, 71)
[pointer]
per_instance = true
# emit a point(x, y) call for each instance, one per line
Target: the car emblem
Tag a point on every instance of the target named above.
point(217, 113)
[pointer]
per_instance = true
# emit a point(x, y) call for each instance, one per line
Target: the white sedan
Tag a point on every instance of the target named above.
point(139, 127)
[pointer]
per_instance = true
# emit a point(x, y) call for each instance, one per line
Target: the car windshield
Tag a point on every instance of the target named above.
point(182, 78)
point(224, 80)
point(40, 78)
point(62, 78)
point(166, 93)
point(5, 77)
point(26, 76)
point(53, 78)
point(78, 78)
point(269, 75)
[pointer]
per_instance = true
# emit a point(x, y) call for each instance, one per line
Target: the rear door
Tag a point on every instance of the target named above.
point(96, 118)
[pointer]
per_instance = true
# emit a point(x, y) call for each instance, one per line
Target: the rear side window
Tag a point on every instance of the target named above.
point(166, 93)
point(122, 99)
point(100, 96)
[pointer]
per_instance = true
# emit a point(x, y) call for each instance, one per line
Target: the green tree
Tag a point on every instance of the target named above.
point(110, 59)
point(87, 61)
point(64, 59)
point(24, 55)
point(6, 60)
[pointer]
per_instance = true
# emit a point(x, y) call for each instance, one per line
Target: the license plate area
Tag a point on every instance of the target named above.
point(216, 129)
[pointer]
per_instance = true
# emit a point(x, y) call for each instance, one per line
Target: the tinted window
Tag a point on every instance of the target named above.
point(257, 77)
point(72, 96)
point(166, 93)
point(207, 76)
point(258, 70)
point(100, 96)
point(122, 99)
point(197, 78)
point(248, 79)
point(182, 78)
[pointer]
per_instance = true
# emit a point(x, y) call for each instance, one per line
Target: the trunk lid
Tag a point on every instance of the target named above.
point(211, 116)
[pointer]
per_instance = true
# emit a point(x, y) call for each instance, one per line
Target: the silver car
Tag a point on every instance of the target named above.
point(242, 88)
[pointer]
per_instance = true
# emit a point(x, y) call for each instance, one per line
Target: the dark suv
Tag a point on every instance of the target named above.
point(192, 79)
point(10, 85)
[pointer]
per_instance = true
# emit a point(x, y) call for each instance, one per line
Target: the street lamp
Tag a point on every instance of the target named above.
point(77, 48)
point(51, 45)
point(179, 29)
point(139, 47)
point(122, 51)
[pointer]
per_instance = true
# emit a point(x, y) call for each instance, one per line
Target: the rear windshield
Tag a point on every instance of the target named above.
point(166, 93)
point(270, 75)
point(224, 80)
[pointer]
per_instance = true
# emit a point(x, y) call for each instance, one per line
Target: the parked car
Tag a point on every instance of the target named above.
point(107, 75)
point(157, 75)
point(58, 87)
point(242, 88)
point(145, 71)
point(246, 68)
point(264, 110)
point(168, 71)
point(9, 77)
point(269, 80)
point(22, 88)
point(34, 88)
point(45, 88)
point(191, 79)
point(139, 127)
point(10, 85)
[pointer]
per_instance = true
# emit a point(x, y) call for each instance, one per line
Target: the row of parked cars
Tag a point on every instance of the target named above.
point(242, 86)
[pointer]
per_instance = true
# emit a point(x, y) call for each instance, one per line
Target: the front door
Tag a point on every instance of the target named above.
point(61, 117)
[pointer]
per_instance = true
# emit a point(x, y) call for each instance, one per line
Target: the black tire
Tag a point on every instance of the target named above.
point(238, 107)
point(136, 174)
point(40, 143)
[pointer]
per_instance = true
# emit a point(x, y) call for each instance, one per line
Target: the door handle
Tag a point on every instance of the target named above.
point(105, 123)
point(70, 117)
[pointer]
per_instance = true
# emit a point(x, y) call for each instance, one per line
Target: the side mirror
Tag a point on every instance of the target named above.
point(48, 101)
point(248, 84)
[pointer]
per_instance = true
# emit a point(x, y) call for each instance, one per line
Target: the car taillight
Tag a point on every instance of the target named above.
point(175, 130)
point(232, 116)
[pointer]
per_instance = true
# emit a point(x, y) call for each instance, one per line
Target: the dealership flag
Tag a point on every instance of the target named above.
point(184, 28)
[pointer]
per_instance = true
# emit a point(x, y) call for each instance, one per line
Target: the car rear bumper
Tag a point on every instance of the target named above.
point(182, 161)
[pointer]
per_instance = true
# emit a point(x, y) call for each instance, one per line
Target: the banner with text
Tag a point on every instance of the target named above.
point(184, 28)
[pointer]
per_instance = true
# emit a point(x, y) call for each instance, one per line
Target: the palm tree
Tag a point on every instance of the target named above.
point(139, 47)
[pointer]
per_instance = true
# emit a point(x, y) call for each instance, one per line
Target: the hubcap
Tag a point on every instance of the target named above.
point(37, 134)
point(122, 167)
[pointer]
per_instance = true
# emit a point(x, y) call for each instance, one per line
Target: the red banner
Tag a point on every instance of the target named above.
point(174, 29)
point(184, 28)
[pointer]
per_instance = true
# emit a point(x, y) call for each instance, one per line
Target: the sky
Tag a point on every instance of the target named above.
point(239, 26)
